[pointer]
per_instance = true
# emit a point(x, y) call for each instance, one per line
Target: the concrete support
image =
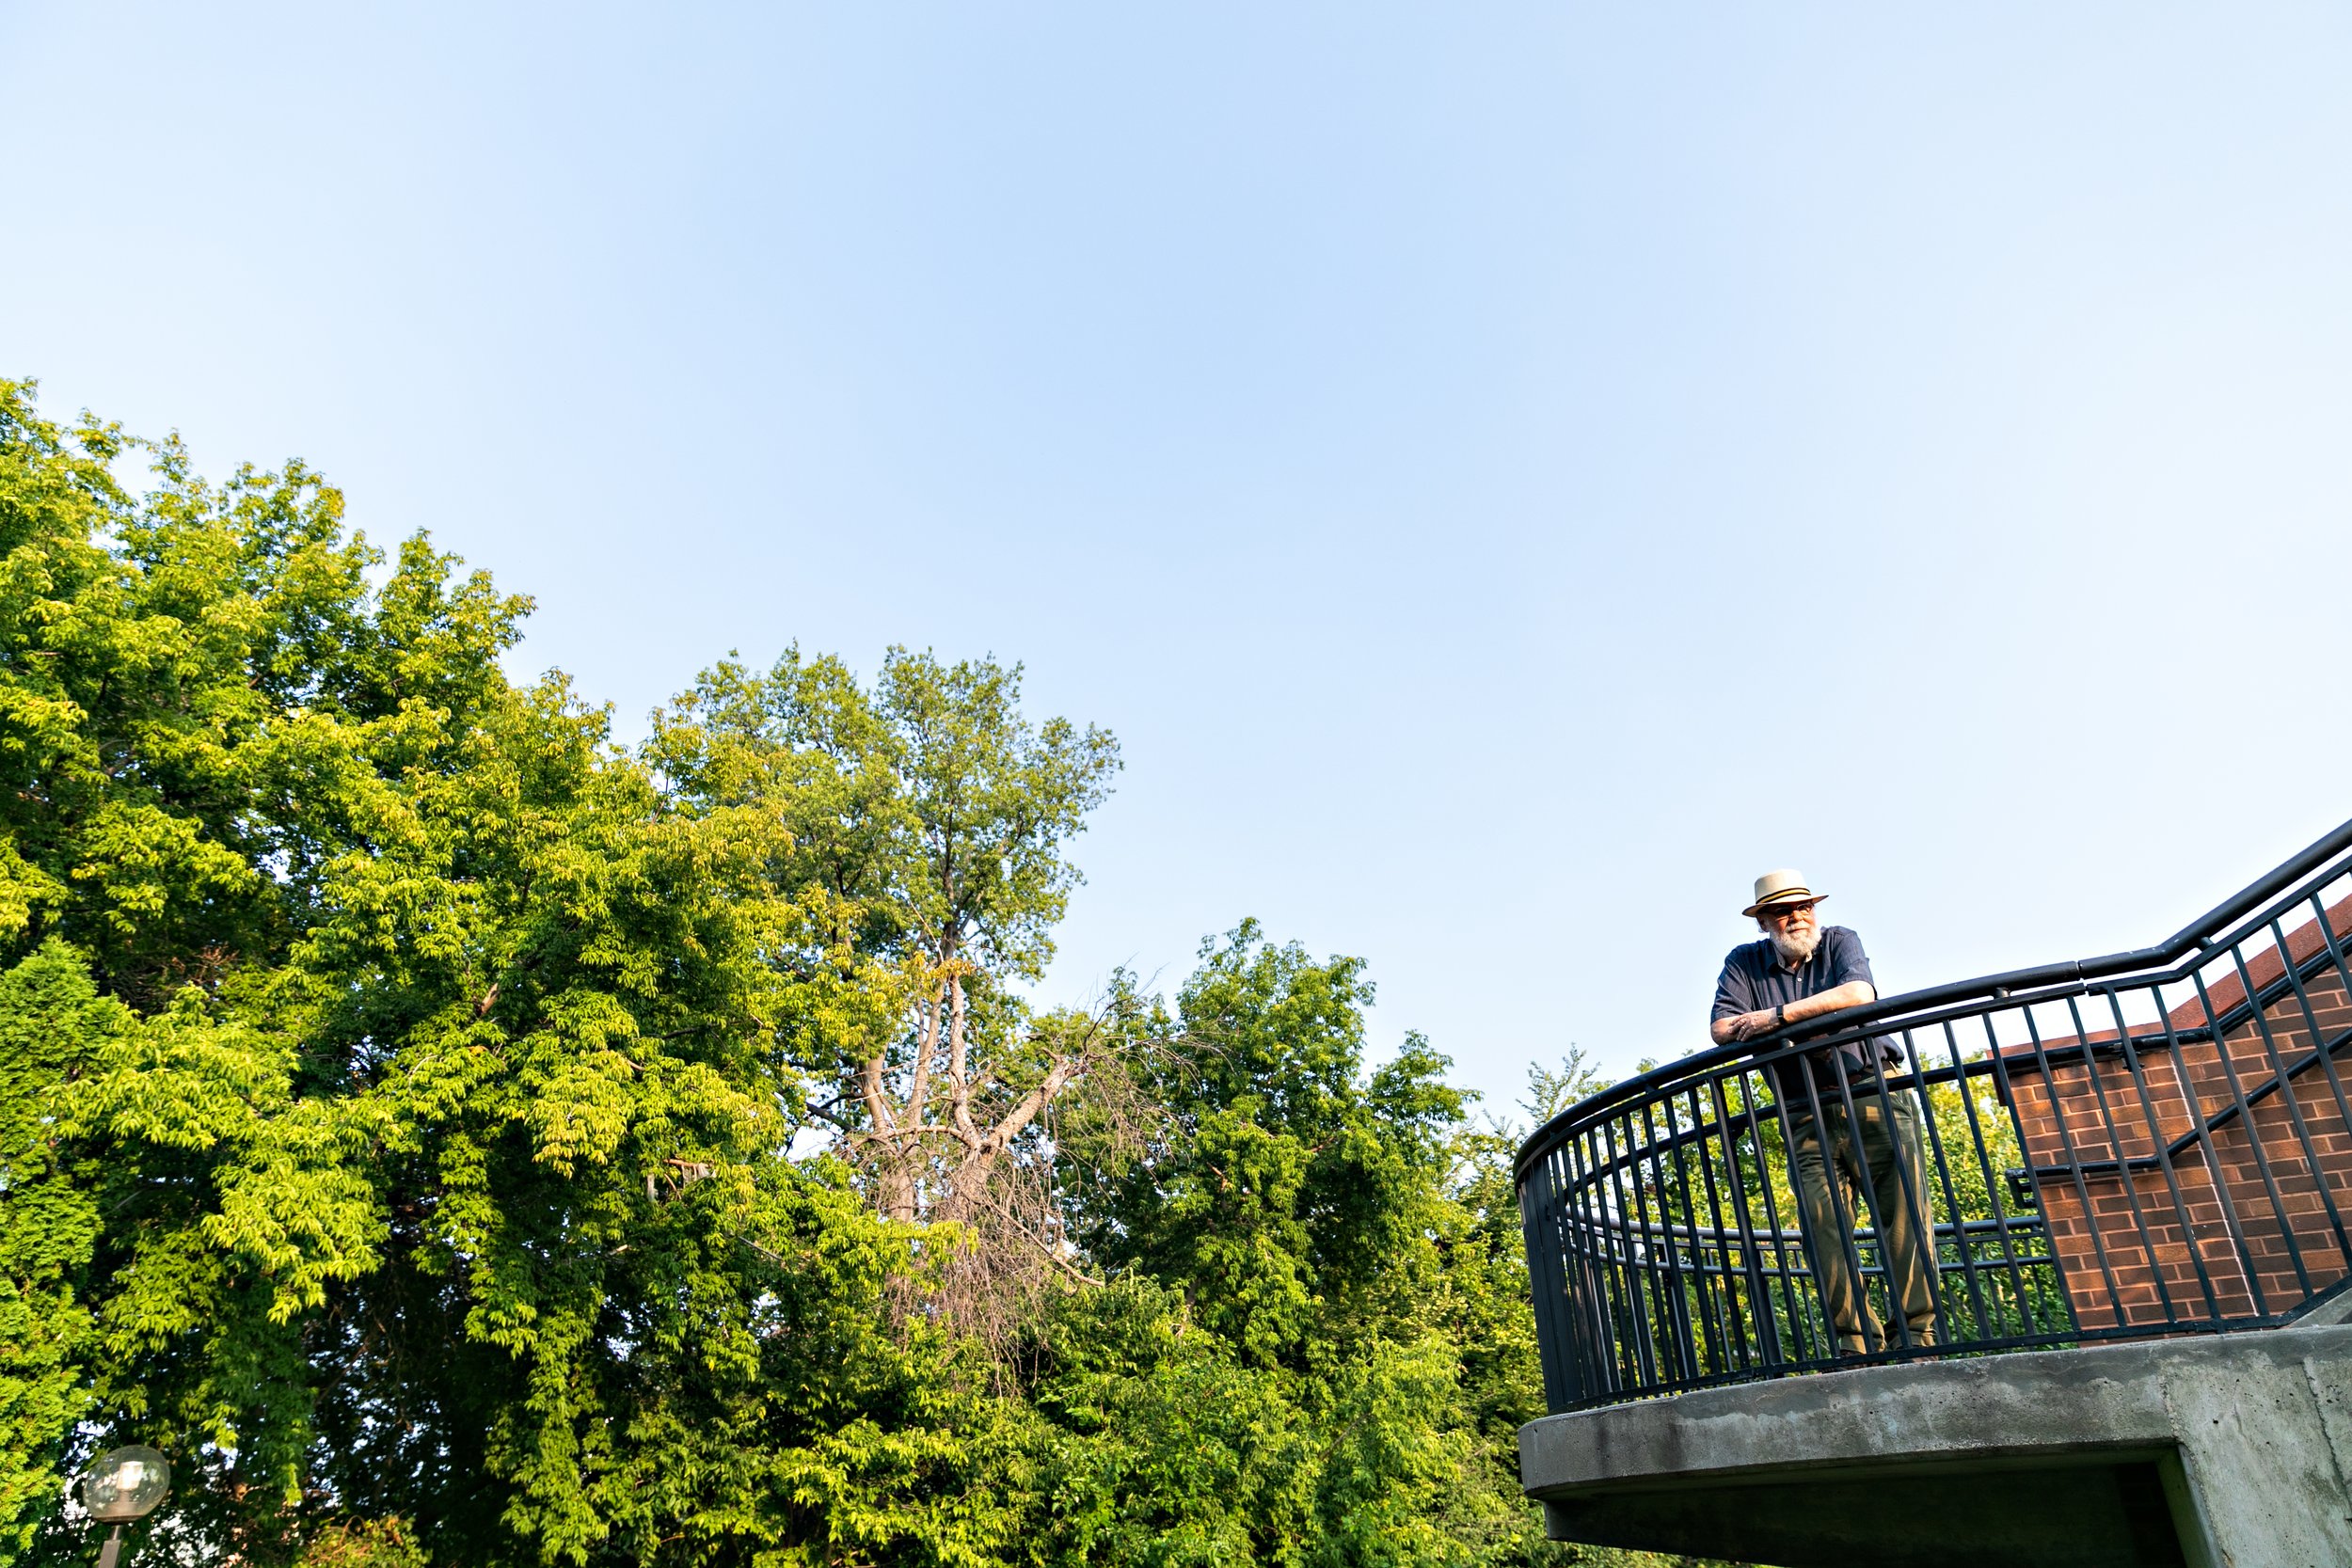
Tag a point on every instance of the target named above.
point(2200, 1453)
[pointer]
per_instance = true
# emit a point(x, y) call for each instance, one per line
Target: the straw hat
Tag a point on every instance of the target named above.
point(1781, 887)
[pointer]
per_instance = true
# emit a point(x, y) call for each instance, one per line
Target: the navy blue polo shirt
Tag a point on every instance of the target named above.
point(1755, 980)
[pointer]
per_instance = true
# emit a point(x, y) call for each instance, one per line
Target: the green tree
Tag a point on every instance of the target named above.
point(192, 688)
point(931, 818)
point(1294, 1211)
point(399, 1078)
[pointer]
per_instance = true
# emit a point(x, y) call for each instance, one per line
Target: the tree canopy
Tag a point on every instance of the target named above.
point(455, 1137)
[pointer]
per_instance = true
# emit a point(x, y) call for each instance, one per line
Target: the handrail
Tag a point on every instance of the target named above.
point(2195, 936)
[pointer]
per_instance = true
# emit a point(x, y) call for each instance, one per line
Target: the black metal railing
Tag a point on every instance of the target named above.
point(2155, 1142)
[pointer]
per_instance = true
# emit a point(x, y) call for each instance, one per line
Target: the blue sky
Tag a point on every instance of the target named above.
point(1508, 474)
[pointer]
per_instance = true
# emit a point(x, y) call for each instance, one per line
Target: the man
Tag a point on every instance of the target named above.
point(1800, 970)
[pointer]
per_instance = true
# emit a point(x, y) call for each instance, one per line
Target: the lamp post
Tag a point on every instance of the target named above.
point(121, 1486)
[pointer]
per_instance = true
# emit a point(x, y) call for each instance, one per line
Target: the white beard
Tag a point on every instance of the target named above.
point(1794, 947)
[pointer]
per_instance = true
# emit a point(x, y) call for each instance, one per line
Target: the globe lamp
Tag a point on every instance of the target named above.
point(121, 1486)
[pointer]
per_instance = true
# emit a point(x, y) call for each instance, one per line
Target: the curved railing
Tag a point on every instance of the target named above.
point(2155, 1142)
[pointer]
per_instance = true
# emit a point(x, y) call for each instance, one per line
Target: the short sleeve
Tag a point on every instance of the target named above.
point(1735, 993)
point(1846, 961)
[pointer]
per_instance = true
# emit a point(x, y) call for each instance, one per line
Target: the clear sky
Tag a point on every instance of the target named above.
point(1508, 474)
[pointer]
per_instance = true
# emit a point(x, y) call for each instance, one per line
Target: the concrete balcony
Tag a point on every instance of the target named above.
point(2228, 1450)
point(2095, 1325)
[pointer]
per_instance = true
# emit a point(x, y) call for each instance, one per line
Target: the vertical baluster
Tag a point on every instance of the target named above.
point(2246, 1119)
point(1846, 1237)
point(1951, 1196)
point(1732, 1321)
point(2123, 1165)
point(2279, 1075)
point(1984, 1160)
point(2201, 1129)
point(1799, 1317)
point(1543, 1245)
point(1617, 1302)
point(2073, 1165)
point(2324, 1057)
point(1674, 1288)
point(1759, 1294)
point(1656, 1311)
point(2164, 1153)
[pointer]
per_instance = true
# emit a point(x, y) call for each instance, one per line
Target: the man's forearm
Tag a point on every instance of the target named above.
point(1853, 993)
point(1747, 1026)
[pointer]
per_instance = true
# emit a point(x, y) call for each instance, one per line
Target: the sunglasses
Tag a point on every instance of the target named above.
point(1780, 912)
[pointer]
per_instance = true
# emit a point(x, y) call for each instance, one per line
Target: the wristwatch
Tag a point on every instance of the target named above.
point(1780, 1015)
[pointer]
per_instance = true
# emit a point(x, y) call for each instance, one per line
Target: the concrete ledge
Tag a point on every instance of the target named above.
point(2234, 1443)
point(1983, 1407)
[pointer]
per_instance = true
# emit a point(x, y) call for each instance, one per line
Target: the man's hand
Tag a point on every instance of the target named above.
point(1743, 1026)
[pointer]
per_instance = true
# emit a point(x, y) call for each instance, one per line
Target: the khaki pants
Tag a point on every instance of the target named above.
point(1889, 1151)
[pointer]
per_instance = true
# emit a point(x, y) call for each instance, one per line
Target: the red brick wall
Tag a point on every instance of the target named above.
point(2136, 1244)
